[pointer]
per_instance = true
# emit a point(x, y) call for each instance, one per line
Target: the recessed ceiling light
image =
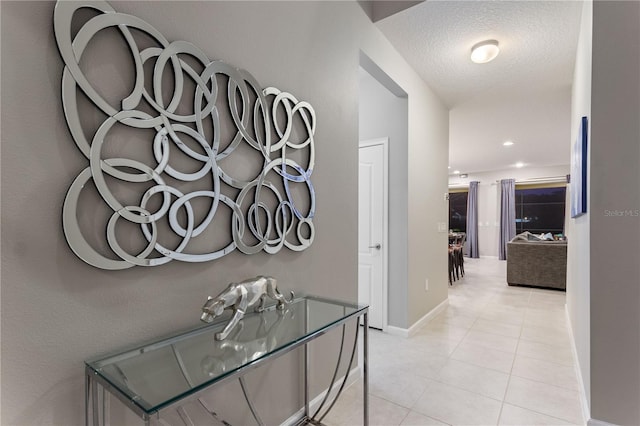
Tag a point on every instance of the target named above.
point(457, 172)
point(485, 51)
point(519, 164)
point(508, 143)
point(448, 167)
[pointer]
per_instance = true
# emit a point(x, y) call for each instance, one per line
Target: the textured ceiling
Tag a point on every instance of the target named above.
point(538, 41)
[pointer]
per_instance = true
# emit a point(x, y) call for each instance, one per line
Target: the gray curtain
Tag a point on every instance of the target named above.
point(472, 220)
point(507, 215)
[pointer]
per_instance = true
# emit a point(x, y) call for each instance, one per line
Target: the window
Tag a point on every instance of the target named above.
point(540, 210)
point(458, 211)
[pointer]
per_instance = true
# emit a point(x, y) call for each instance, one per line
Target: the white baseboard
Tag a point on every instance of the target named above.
point(594, 422)
point(354, 375)
point(397, 331)
point(488, 257)
point(404, 332)
point(586, 411)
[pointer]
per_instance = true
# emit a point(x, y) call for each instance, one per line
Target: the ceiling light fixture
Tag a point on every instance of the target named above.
point(485, 51)
point(508, 143)
point(519, 164)
point(456, 172)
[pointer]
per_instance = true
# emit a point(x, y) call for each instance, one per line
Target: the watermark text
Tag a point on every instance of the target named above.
point(622, 213)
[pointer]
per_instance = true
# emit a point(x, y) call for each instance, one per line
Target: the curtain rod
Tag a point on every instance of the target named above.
point(459, 185)
point(551, 179)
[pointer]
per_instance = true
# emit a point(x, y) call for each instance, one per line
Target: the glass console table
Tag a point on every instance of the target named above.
point(169, 373)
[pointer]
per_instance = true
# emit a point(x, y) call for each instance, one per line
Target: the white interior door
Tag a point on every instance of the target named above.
point(372, 248)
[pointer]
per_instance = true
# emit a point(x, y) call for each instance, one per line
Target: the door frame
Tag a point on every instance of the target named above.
point(385, 223)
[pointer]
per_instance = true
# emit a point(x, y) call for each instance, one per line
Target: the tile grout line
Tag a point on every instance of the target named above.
point(543, 414)
point(405, 417)
point(451, 359)
point(533, 380)
point(514, 360)
point(514, 355)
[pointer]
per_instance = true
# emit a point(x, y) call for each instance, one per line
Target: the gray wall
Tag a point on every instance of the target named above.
point(57, 311)
point(428, 153)
point(603, 297)
point(615, 240)
point(383, 114)
point(578, 259)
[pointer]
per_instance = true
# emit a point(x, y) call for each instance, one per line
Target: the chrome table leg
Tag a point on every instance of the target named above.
point(306, 366)
point(365, 368)
point(94, 403)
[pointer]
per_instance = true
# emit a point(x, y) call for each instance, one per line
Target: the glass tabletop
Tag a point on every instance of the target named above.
point(159, 373)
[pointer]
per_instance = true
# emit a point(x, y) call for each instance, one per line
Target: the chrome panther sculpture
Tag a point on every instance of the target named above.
point(239, 297)
point(247, 342)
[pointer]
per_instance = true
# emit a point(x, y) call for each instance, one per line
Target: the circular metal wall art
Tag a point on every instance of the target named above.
point(265, 211)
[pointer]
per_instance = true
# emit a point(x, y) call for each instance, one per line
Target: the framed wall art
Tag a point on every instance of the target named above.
point(578, 184)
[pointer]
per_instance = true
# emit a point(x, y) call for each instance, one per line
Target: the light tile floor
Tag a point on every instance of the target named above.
point(497, 355)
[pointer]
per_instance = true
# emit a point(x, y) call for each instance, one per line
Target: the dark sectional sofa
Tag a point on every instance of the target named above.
point(537, 264)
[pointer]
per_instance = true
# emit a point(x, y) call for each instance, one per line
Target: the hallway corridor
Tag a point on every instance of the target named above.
point(497, 355)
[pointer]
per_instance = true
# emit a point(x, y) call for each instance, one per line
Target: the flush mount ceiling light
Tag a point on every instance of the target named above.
point(456, 172)
point(508, 143)
point(519, 164)
point(485, 51)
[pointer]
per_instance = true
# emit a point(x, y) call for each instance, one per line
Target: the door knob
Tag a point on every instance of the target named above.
point(377, 246)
